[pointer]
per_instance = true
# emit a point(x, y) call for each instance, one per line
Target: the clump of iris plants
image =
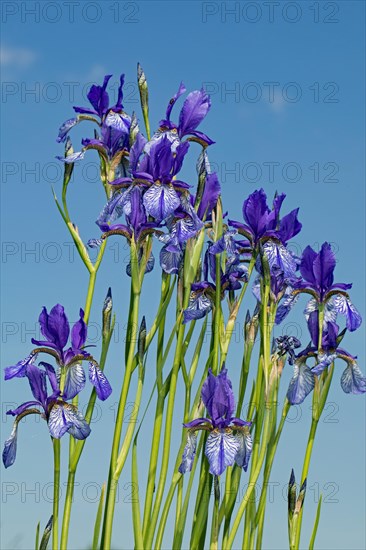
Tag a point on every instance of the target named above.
point(206, 267)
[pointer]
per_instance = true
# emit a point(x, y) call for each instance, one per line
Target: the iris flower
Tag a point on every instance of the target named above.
point(303, 380)
point(229, 440)
point(55, 328)
point(263, 226)
point(114, 123)
point(60, 416)
point(317, 270)
point(194, 110)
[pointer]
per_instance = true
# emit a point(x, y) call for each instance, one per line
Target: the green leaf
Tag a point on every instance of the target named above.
point(98, 519)
point(316, 523)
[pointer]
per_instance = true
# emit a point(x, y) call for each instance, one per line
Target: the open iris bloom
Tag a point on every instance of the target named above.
point(317, 271)
point(229, 440)
point(61, 417)
point(264, 227)
point(194, 110)
point(55, 328)
point(115, 125)
point(303, 380)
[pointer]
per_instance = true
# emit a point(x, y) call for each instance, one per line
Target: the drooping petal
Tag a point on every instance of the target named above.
point(63, 418)
point(20, 369)
point(352, 380)
point(10, 447)
point(324, 360)
point(170, 261)
point(189, 452)
point(288, 302)
point(74, 381)
point(245, 448)
point(221, 449)
point(65, 128)
point(160, 201)
point(99, 381)
point(74, 157)
point(301, 384)
point(343, 305)
point(278, 256)
point(199, 305)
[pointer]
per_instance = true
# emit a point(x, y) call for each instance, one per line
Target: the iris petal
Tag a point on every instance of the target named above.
point(301, 384)
point(221, 449)
point(74, 381)
point(189, 453)
point(344, 306)
point(100, 382)
point(10, 447)
point(160, 201)
point(245, 448)
point(352, 380)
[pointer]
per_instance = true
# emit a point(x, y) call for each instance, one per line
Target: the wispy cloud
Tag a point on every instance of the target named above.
point(16, 57)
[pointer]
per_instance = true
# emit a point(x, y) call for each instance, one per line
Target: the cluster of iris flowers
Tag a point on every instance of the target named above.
point(146, 198)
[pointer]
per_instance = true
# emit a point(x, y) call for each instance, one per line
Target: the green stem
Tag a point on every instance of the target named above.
point(272, 448)
point(252, 480)
point(112, 482)
point(56, 491)
point(215, 515)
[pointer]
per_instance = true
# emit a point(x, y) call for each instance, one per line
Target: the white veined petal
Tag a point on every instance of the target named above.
point(221, 449)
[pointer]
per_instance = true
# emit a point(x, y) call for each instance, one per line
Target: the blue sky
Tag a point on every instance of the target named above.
point(287, 87)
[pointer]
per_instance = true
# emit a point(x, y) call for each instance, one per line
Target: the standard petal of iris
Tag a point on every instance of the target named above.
point(245, 448)
point(100, 382)
point(74, 381)
point(221, 449)
point(10, 447)
point(189, 453)
point(160, 201)
point(301, 384)
point(352, 380)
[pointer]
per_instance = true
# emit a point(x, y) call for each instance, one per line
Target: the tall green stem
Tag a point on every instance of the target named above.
point(56, 491)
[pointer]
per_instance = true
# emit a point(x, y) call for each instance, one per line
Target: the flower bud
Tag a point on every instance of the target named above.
point(107, 314)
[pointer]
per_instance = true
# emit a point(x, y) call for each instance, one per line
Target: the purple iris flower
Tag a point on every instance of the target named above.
point(60, 416)
point(317, 270)
point(303, 380)
point(194, 110)
point(264, 226)
point(201, 301)
point(155, 174)
point(114, 124)
point(229, 439)
point(55, 328)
